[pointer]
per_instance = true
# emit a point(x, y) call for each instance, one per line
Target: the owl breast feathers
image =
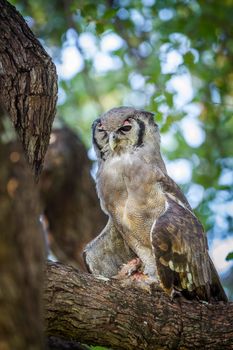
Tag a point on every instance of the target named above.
point(150, 220)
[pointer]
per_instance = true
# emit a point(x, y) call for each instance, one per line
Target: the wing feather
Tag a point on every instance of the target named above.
point(181, 254)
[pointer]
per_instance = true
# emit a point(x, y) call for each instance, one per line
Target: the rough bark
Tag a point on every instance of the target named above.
point(28, 84)
point(94, 311)
point(66, 180)
point(28, 96)
point(21, 252)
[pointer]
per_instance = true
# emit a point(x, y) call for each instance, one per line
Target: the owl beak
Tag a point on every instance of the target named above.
point(112, 141)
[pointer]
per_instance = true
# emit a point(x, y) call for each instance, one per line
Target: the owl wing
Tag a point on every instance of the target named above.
point(181, 252)
point(106, 254)
point(172, 189)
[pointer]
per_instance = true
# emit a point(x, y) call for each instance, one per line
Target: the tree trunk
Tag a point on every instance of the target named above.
point(21, 253)
point(108, 312)
point(66, 179)
point(28, 84)
point(28, 96)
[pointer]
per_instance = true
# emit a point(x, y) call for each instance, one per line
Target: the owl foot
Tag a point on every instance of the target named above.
point(130, 269)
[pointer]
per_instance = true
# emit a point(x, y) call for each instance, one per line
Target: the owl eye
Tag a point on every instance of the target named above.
point(125, 128)
point(100, 127)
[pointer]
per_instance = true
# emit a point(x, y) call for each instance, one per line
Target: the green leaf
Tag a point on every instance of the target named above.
point(229, 256)
point(188, 58)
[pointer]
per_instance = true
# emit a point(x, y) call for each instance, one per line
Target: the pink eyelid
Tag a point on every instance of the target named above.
point(126, 122)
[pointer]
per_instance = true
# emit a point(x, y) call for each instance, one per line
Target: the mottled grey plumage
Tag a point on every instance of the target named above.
point(149, 217)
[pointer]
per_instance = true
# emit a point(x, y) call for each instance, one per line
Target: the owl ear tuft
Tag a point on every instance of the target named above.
point(95, 122)
point(150, 117)
point(150, 114)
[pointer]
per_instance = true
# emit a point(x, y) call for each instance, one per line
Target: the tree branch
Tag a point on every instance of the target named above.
point(91, 310)
point(28, 84)
point(21, 252)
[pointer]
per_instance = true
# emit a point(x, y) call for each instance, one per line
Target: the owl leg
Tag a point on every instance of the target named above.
point(130, 269)
point(133, 272)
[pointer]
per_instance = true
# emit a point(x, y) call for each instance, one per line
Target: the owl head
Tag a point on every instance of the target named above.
point(123, 129)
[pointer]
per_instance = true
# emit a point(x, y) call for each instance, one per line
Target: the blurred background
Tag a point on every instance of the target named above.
point(173, 58)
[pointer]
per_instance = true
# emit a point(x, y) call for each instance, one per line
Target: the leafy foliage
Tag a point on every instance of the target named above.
point(168, 56)
point(229, 256)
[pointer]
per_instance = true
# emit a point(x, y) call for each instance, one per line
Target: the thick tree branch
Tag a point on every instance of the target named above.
point(94, 311)
point(21, 252)
point(28, 91)
point(28, 84)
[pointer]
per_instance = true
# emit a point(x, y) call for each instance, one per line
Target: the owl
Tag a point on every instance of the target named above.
point(152, 231)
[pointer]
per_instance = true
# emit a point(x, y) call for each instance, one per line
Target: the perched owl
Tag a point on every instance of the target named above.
point(152, 229)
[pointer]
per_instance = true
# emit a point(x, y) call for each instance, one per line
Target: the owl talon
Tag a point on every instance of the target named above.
point(129, 269)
